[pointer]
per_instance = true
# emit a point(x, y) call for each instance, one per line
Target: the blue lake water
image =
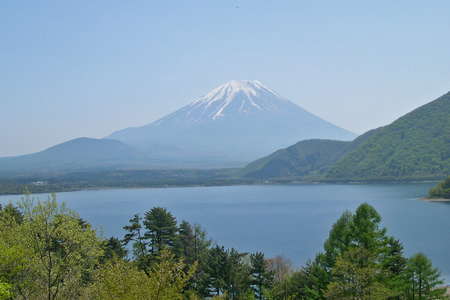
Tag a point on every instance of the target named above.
point(291, 220)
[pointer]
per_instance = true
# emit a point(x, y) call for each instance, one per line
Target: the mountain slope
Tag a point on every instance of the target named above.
point(303, 158)
point(416, 146)
point(237, 121)
point(306, 158)
point(74, 154)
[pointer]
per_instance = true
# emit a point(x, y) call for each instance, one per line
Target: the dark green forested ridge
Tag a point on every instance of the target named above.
point(441, 190)
point(415, 146)
point(304, 158)
point(48, 252)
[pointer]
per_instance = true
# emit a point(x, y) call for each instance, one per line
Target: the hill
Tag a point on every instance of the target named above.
point(80, 153)
point(238, 121)
point(416, 146)
point(311, 158)
point(304, 158)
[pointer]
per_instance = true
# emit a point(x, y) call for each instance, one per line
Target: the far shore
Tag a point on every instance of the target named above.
point(436, 199)
point(68, 189)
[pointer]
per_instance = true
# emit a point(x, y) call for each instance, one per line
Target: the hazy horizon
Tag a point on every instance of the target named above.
point(72, 70)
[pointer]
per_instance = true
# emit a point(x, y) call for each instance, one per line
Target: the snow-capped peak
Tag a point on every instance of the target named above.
point(245, 96)
point(236, 98)
point(251, 88)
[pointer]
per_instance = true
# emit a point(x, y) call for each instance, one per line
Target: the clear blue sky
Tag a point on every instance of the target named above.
point(87, 68)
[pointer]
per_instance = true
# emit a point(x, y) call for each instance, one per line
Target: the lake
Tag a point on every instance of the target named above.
point(290, 220)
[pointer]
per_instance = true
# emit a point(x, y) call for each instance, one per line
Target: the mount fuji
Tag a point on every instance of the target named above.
point(234, 123)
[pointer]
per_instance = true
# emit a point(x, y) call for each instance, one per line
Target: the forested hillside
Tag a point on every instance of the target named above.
point(416, 146)
point(304, 158)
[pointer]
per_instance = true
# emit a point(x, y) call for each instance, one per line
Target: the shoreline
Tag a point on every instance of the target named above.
point(435, 199)
point(223, 184)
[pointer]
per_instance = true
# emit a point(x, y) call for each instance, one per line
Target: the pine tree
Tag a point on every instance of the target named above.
point(310, 282)
point(237, 275)
point(136, 236)
point(112, 248)
point(393, 264)
point(351, 233)
point(261, 277)
point(185, 244)
point(193, 246)
point(161, 228)
point(365, 228)
point(423, 279)
point(134, 232)
point(339, 239)
point(217, 260)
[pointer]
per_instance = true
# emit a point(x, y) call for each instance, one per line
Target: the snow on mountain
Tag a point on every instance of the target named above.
point(249, 94)
point(232, 98)
point(236, 121)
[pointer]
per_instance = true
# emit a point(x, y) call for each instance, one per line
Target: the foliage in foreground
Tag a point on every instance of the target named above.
point(360, 261)
point(119, 279)
point(48, 252)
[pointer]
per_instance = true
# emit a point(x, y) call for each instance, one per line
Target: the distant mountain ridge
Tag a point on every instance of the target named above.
point(79, 153)
point(228, 127)
point(415, 146)
point(237, 121)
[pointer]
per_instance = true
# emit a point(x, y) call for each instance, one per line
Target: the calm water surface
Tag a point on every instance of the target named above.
point(291, 220)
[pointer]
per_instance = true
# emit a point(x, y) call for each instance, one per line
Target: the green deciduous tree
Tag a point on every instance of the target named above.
point(11, 212)
point(63, 250)
point(118, 279)
point(355, 276)
point(14, 254)
point(5, 291)
point(48, 254)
